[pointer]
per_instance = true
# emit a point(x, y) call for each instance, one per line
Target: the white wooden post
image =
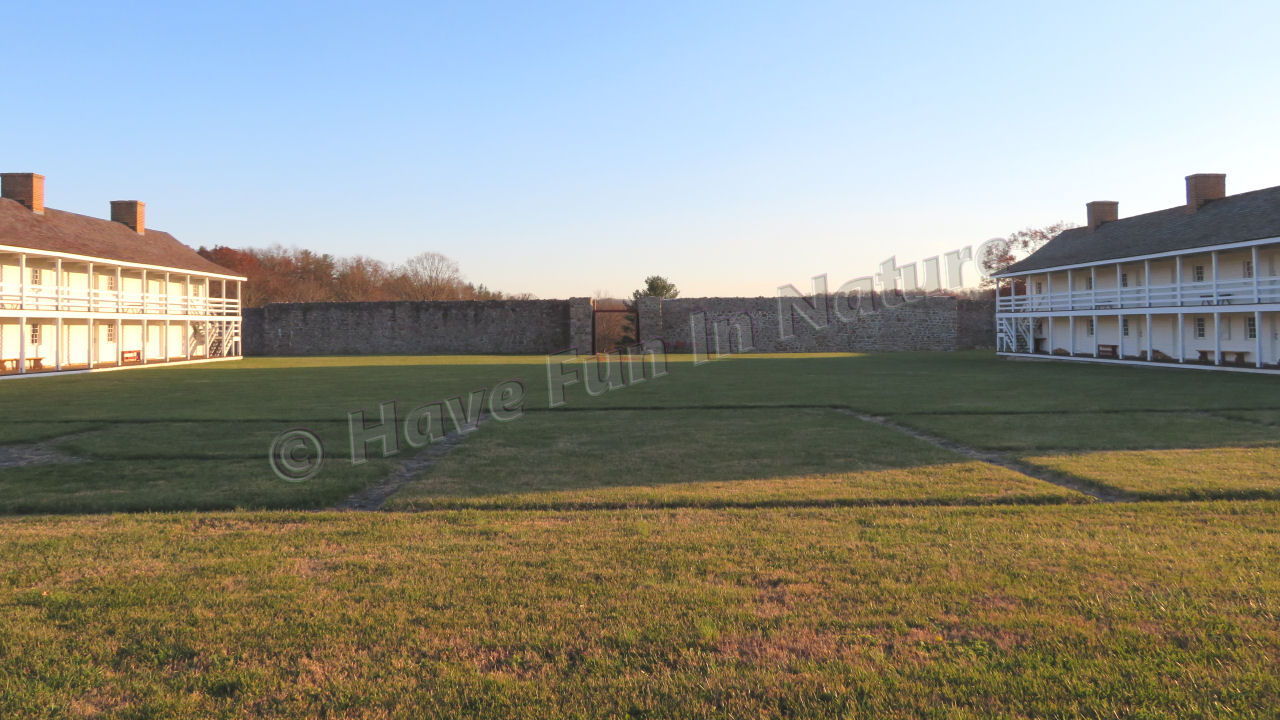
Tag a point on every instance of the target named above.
point(1217, 333)
point(1119, 337)
point(119, 294)
point(1093, 285)
point(1049, 287)
point(1147, 279)
point(186, 297)
point(1257, 322)
point(145, 338)
point(1119, 296)
point(1214, 255)
point(1178, 280)
point(57, 285)
point(146, 304)
point(1257, 287)
point(57, 339)
point(1182, 337)
point(1096, 329)
point(119, 336)
point(89, 270)
point(186, 333)
point(1071, 291)
point(22, 281)
point(22, 344)
point(1071, 344)
point(1049, 342)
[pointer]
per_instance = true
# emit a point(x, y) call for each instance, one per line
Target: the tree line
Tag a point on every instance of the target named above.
point(279, 274)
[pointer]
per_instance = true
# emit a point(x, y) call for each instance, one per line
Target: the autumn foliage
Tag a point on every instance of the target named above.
point(293, 275)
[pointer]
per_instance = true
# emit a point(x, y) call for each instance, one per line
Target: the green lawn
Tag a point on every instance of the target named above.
point(728, 540)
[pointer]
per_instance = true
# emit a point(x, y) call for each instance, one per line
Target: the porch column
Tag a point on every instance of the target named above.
point(1048, 284)
point(1119, 290)
point(22, 280)
point(57, 286)
point(186, 298)
point(164, 338)
point(1093, 286)
point(119, 294)
point(166, 311)
point(119, 339)
point(1217, 333)
point(1214, 254)
point(1071, 342)
point(1182, 335)
point(57, 333)
point(1178, 279)
point(143, 355)
point(145, 305)
point(1049, 342)
point(186, 333)
point(22, 344)
point(1071, 289)
point(93, 337)
point(1096, 328)
point(91, 304)
point(1146, 280)
point(1257, 319)
point(1257, 286)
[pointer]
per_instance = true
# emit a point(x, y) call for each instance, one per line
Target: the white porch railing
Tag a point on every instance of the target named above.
point(52, 297)
point(1239, 291)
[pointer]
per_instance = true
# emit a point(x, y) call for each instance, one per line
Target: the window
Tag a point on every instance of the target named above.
point(35, 334)
point(1088, 327)
point(1124, 280)
point(1225, 328)
point(1248, 269)
point(1199, 327)
point(1124, 324)
point(1197, 274)
point(111, 333)
point(36, 276)
point(1251, 328)
point(111, 286)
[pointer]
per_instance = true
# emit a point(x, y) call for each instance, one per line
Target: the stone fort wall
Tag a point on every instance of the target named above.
point(939, 323)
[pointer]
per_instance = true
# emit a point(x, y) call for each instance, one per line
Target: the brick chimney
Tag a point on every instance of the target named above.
point(131, 213)
point(26, 188)
point(1203, 187)
point(1102, 211)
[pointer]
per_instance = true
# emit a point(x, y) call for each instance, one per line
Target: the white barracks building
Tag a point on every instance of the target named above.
point(80, 293)
point(1196, 285)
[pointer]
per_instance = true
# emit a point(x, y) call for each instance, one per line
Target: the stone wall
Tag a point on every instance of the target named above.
point(752, 324)
point(548, 326)
point(409, 328)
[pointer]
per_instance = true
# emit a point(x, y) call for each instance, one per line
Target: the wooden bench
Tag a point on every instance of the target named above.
point(131, 356)
point(11, 364)
point(1109, 351)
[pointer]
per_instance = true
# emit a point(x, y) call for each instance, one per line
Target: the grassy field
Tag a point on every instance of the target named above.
point(743, 538)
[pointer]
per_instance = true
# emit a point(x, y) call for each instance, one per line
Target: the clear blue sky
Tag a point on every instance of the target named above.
point(562, 148)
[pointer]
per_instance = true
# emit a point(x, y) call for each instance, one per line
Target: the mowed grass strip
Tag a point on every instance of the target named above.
point(1093, 431)
point(133, 485)
point(1146, 610)
point(1227, 472)
point(707, 458)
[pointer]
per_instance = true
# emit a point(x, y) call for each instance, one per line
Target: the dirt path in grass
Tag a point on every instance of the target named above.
point(41, 453)
point(1001, 459)
point(375, 496)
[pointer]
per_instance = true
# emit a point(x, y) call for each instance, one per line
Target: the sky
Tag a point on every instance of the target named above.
point(566, 149)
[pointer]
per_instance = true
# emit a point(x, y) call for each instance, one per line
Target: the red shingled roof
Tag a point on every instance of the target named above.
point(64, 232)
